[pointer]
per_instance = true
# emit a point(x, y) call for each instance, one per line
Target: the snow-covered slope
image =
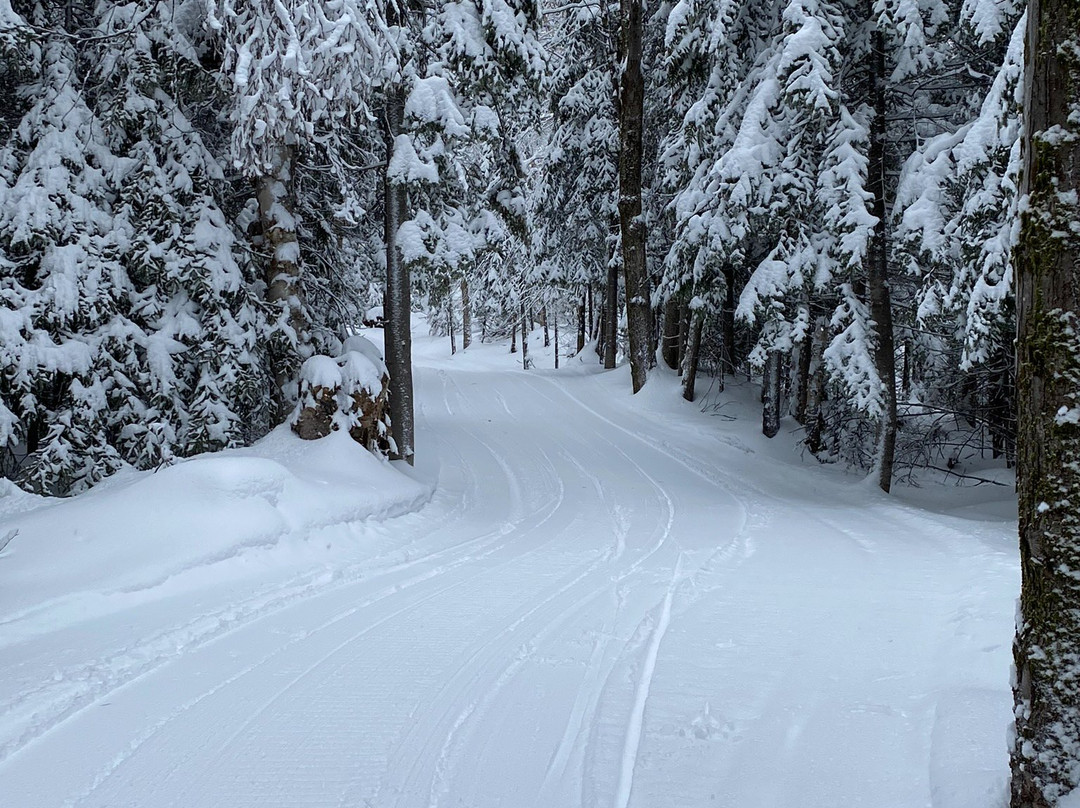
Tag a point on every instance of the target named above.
point(608, 601)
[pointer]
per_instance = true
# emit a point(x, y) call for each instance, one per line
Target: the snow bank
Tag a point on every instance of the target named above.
point(140, 530)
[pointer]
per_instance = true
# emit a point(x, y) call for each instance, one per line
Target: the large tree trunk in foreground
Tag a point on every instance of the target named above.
point(877, 259)
point(398, 319)
point(275, 199)
point(631, 221)
point(1046, 749)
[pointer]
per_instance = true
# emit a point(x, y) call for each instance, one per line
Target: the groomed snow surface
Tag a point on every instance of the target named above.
point(577, 598)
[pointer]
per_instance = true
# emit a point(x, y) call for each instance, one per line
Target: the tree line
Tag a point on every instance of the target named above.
point(196, 196)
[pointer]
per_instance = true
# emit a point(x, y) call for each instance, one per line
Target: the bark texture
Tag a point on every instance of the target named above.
point(398, 306)
point(274, 196)
point(1046, 750)
point(631, 222)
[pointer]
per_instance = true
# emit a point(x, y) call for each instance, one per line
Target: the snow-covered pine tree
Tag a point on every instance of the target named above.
point(297, 71)
point(956, 224)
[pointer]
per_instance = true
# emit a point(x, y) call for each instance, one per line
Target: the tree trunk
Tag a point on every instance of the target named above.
point(815, 388)
point(770, 395)
point(669, 349)
point(450, 323)
point(398, 305)
point(275, 199)
point(802, 377)
point(592, 313)
point(611, 317)
point(1046, 651)
point(727, 322)
point(631, 221)
point(581, 326)
point(544, 323)
point(693, 351)
point(524, 338)
point(877, 260)
point(555, 325)
point(684, 335)
point(466, 316)
point(513, 338)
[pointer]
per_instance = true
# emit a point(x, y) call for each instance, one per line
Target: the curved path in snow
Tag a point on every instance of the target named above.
point(595, 610)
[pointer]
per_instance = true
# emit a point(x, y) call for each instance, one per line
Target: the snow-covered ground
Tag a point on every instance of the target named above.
point(577, 598)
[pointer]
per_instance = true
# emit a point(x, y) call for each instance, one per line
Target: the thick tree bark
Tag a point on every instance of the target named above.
point(275, 199)
point(1046, 749)
point(398, 306)
point(631, 221)
point(878, 272)
point(771, 395)
point(693, 352)
point(513, 338)
point(611, 317)
point(466, 316)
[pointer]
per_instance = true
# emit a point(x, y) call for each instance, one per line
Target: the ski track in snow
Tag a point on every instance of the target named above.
point(585, 614)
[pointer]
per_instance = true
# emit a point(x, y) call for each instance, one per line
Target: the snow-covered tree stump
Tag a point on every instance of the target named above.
point(347, 392)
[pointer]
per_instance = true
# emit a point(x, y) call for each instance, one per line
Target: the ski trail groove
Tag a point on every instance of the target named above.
point(641, 696)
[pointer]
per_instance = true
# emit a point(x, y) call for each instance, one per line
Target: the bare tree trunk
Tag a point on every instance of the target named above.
point(693, 352)
point(466, 316)
point(513, 338)
point(524, 338)
point(802, 377)
point(581, 326)
point(544, 323)
point(727, 322)
point(815, 388)
point(398, 319)
point(770, 395)
point(669, 349)
point(275, 198)
point(591, 321)
point(611, 317)
point(1046, 651)
point(555, 324)
point(450, 323)
point(877, 260)
point(631, 221)
point(684, 335)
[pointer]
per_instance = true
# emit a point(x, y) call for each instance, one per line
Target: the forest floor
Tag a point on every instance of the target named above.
point(577, 598)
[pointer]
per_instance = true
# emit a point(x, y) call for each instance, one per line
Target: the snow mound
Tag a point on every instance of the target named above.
point(140, 530)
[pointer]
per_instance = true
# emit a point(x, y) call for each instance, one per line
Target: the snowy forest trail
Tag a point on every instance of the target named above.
point(601, 606)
